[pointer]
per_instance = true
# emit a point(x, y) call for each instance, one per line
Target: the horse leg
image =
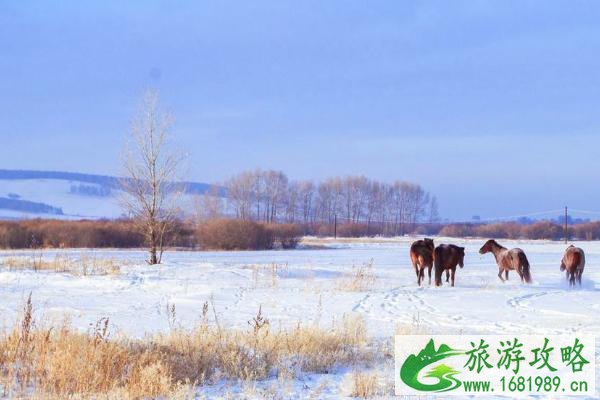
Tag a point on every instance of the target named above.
point(417, 268)
point(429, 273)
point(506, 275)
point(573, 279)
point(500, 275)
point(579, 273)
point(520, 272)
point(453, 271)
point(447, 275)
point(438, 276)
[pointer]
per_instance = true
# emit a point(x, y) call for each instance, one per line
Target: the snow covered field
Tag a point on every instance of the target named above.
point(306, 285)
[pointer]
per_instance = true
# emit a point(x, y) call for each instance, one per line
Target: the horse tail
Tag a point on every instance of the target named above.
point(525, 265)
point(581, 264)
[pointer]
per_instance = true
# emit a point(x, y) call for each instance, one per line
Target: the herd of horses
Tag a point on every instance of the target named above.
point(445, 257)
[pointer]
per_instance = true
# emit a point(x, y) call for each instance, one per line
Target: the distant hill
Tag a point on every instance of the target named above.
point(104, 180)
point(64, 195)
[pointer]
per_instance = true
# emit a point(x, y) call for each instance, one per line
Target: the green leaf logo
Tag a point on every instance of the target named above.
point(413, 365)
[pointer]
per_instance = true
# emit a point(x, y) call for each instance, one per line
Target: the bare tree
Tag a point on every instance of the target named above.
point(269, 196)
point(209, 205)
point(242, 193)
point(306, 194)
point(151, 194)
point(434, 214)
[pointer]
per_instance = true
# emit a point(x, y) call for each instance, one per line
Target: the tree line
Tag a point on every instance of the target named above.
point(271, 197)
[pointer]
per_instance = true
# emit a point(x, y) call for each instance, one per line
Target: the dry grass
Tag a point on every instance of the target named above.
point(59, 362)
point(364, 385)
point(83, 265)
point(361, 279)
point(415, 327)
point(266, 275)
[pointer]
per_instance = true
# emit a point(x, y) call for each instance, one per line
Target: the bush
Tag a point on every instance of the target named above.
point(353, 229)
point(457, 230)
point(587, 231)
point(286, 236)
point(543, 230)
point(234, 234)
point(509, 230)
point(92, 234)
point(324, 230)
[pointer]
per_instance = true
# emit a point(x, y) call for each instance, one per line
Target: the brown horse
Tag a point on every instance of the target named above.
point(513, 259)
point(573, 262)
point(421, 255)
point(446, 257)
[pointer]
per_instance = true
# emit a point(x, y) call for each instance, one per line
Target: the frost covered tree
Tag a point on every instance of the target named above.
point(434, 214)
point(150, 168)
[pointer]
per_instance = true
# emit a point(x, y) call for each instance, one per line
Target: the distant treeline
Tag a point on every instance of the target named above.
point(237, 234)
point(12, 202)
point(90, 190)
point(348, 202)
point(511, 230)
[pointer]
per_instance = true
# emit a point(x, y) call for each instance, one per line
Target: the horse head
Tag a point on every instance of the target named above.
point(488, 246)
point(429, 243)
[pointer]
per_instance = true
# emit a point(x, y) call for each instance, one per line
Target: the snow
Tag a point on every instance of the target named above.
point(305, 287)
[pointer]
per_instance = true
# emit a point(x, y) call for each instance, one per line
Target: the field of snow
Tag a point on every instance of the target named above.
point(305, 285)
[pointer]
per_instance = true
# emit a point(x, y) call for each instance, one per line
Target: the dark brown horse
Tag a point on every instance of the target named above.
point(446, 257)
point(513, 259)
point(421, 255)
point(573, 262)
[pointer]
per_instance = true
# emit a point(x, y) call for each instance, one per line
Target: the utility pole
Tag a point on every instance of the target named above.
point(335, 225)
point(566, 226)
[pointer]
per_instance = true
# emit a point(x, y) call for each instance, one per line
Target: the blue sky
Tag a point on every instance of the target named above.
point(492, 106)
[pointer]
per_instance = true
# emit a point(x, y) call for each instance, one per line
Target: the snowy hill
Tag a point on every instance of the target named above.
point(63, 195)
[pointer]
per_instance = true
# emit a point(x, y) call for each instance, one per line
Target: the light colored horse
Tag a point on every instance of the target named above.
point(513, 259)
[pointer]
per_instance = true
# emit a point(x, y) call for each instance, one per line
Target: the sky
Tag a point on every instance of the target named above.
point(492, 106)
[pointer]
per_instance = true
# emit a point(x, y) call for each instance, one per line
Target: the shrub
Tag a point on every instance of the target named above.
point(587, 231)
point(543, 230)
point(84, 233)
point(457, 230)
point(353, 229)
point(509, 230)
point(286, 236)
point(234, 234)
point(324, 230)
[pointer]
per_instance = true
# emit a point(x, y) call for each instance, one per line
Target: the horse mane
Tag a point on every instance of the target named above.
point(493, 242)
